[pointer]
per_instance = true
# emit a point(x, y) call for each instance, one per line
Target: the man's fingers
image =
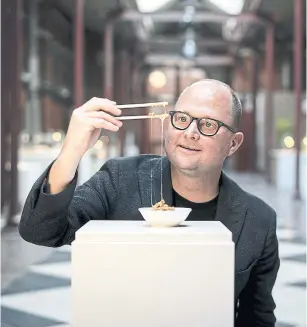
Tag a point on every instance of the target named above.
point(101, 123)
point(105, 116)
point(96, 104)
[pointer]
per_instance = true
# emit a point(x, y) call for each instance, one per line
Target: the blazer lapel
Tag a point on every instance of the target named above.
point(149, 176)
point(231, 208)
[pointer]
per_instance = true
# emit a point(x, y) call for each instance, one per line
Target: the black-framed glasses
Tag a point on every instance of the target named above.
point(206, 126)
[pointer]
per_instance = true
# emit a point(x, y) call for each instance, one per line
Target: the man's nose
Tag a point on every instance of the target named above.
point(192, 131)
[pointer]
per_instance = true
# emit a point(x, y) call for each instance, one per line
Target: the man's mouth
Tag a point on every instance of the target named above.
point(189, 148)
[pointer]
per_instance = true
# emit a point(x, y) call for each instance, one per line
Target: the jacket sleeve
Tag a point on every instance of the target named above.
point(52, 219)
point(256, 303)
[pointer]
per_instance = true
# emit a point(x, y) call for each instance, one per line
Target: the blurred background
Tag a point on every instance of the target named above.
point(57, 54)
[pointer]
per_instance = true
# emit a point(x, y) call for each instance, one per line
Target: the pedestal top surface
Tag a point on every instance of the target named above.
point(139, 231)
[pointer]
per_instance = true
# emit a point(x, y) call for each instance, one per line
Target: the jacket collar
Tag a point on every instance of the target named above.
point(231, 207)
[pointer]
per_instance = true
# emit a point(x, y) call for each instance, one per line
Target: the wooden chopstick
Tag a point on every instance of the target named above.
point(142, 117)
point(142, 105)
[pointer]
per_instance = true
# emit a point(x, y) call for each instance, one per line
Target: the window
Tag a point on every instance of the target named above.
point(147, 6)
point(233, 7)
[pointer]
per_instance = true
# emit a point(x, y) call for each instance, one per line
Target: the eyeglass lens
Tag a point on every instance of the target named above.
point(206, 125)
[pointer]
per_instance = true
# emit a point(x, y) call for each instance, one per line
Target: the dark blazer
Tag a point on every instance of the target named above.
point(123, 185)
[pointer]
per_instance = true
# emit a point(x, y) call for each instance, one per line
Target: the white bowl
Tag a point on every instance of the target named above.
point(159, 218)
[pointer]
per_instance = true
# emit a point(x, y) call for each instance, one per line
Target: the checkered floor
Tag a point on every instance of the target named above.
point(41, 297)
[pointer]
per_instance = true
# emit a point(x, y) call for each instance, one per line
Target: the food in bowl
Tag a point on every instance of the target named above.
point(162, 206)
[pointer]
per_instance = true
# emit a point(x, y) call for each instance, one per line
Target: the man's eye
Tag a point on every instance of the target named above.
point(181, 118)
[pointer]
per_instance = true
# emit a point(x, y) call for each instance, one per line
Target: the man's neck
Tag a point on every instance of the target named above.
point(196, 188)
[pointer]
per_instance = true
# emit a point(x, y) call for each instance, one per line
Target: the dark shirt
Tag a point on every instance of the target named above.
point(200, 211)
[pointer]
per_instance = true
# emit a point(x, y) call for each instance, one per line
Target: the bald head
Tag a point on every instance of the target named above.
point(221, 94)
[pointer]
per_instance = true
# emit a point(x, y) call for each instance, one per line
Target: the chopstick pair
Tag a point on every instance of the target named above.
point(161, 116)
point(142, 105)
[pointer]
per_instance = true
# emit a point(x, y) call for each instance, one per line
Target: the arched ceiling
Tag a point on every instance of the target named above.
point(164, 31)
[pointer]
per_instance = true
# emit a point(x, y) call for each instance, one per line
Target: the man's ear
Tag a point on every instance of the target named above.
point(236, 143)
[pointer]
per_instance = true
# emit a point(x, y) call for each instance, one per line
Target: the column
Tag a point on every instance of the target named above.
point(79, 51)
point(146, 141)
point(108, 60)
point(298, 39)
point(177, 82)
point(255, 86)
point(11, 15)
point(269, 63)
point(34, 112)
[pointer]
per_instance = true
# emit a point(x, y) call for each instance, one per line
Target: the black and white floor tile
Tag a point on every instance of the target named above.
point(42, 297)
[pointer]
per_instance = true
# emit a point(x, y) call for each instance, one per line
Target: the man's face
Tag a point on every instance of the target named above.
point(189, 150)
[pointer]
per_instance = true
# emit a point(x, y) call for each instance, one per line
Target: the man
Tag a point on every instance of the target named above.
point(201, 134)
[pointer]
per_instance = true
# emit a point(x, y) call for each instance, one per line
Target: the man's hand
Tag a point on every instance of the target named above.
point(83, 131)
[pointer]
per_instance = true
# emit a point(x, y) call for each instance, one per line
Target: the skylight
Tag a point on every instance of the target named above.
point(147, 6)
point(232, 7)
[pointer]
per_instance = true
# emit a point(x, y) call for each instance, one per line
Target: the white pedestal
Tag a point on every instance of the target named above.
point(125, 274)
point(284, 170)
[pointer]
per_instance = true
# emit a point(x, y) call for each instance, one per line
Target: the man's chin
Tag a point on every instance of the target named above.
point(187, 168)
point(183, 164)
